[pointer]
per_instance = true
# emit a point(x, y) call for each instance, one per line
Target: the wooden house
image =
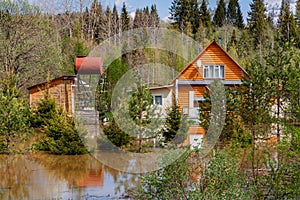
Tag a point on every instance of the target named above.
point(65, 89)
point(192, 82)
point(60, 89)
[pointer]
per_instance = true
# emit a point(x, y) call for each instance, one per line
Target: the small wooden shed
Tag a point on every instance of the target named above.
point(60, 89)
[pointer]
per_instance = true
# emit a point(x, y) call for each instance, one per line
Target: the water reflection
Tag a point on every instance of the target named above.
point(44, 176)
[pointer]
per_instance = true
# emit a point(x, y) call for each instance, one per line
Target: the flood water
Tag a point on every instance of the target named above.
point(44, 176)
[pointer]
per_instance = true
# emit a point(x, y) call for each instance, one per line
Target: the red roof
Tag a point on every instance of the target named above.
point(88, 65)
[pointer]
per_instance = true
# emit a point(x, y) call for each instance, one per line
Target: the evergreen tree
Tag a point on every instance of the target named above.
point(175, 126)
point(286, 23)
point(220, 14)
point(124, 19)
point(116, 135)
point(234, 14)
point(115, 23)
point(146, 17)
point(177, 12)
point(108, 22)
point(140, 110)
point(257, 23)
point(239, 20)
point(154, 19)
point(14, 115)
point(205, 15)
point(184, 12)
point(138, 19)
point(298, 12)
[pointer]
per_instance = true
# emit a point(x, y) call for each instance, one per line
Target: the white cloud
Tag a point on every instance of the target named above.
point(166, 19)
point(132, 15)
point(119, 3)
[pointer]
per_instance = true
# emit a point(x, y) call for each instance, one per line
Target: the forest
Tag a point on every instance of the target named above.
point(38, 44)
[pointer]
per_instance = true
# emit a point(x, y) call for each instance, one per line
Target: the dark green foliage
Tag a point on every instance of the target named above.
point(115, 135)
point(205, 15)
point(124, 18)
point(298, 12)
point(257, 21)
point(139, 105)
point(175, 126)
point(286, 23)
point(44, 111)
point(185, 13)
point(234, 14)
point(62, 134)
point(14, 115)
point(220, 14)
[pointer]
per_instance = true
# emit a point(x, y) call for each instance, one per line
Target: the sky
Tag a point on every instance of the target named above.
point(164, 5)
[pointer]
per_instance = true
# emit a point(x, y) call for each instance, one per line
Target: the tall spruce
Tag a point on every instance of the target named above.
point(115, 22)
point(234, 14)
point(185, 13)
point(257, 22)
point(177, 14)
point(154, 19)
point(286, 22)
point(124, 18)
point(298, 12)
point(220, 14)
point(205, 15)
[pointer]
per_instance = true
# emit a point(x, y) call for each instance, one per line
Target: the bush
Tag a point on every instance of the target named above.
point(116, 135)
point(62, 133)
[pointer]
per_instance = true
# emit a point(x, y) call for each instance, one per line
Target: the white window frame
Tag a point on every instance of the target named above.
point(209, 71)
point(158, 95)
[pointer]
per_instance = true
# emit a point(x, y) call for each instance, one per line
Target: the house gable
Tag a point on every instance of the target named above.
point(213, 54)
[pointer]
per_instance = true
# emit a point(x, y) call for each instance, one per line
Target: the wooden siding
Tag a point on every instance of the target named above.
point(59, 89)
point(215, 55)
point(196, 130)
point(183, 93)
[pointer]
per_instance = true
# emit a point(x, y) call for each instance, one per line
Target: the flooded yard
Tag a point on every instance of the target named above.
point(44, 176)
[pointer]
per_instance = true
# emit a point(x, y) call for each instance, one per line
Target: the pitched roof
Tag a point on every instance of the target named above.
point(213, 42)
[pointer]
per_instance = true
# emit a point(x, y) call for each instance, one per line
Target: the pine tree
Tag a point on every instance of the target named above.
point(205, 15)
point(175, 126)
point(124, 19)
point(108, 23)
point(298, 12)
point(14, 112)
point(115, 23)
point(97, 18)
point(239, 20)
point(177, 12)
point(154, 19)
point(140, 110)
point(184, 12)
point(286, 22)
point(146, 17)
point(234, 14)
point(220, 14)
point(257, 22)
point(138, 19)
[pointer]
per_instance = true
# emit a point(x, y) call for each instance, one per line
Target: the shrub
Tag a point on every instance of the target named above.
point(62, 133)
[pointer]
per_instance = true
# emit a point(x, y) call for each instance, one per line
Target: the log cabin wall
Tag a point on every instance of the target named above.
point(60, 89)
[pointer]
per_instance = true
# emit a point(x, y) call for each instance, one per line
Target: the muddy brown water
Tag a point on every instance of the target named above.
point(44, 176)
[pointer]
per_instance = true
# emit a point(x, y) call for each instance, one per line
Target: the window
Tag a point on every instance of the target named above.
point(157, 100)
point(214, 71)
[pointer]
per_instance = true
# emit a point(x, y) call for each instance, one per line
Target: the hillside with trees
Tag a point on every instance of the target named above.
point(38, 44)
